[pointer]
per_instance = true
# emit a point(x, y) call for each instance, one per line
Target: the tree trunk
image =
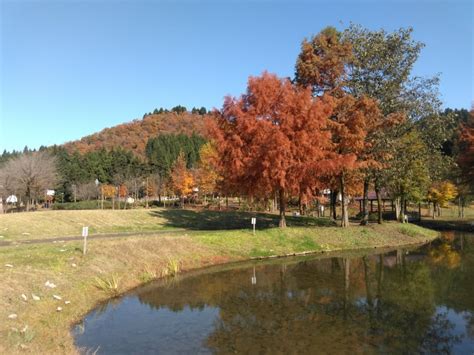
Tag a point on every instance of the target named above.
point(419, 211)
point(402, 209)
point(333, 197)
point(379, 203)
point(344, 214)
point(365, 202)
point(397, 208)
point(434, 210)
point(282, 223)
point(300, 206)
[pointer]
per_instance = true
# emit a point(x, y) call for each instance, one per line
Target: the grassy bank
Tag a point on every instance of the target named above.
point(48, 224)
point(114, 266)
point(44, 224)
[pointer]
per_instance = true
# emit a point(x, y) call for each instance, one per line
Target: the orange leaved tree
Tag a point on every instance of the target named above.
point(351, 124)
point(207, 172)
point(181, 178)
point(272, 138)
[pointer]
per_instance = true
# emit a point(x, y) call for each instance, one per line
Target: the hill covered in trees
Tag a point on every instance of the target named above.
point(133, 136)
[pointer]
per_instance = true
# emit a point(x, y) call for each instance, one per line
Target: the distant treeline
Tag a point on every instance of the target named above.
point(118, 166)
point(177, 109)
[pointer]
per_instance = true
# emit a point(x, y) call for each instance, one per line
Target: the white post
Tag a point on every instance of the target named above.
point(254, 222)
point(85, 232)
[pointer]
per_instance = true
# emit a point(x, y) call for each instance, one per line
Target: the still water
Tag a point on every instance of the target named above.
point(402, 301)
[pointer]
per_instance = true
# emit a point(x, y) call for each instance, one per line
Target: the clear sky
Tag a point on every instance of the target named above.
point(71, 68)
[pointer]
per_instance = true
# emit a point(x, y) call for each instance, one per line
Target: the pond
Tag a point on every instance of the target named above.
point(400, 301)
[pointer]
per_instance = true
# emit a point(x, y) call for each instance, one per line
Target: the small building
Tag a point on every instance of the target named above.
point(387, 202)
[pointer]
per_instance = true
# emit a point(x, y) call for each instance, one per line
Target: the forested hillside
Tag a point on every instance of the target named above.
point(133, 136)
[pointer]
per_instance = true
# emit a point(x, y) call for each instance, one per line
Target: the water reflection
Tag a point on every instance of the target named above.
point(404, 301)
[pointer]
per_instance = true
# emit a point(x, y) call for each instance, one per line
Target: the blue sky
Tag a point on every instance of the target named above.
point(71, 68)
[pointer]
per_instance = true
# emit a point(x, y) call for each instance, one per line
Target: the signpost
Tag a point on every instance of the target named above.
point(85, 233)
point(254, 222)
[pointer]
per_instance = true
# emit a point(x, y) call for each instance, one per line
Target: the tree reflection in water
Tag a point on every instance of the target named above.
point(398, 303)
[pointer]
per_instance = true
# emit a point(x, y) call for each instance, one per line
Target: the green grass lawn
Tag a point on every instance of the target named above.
point(45, 224)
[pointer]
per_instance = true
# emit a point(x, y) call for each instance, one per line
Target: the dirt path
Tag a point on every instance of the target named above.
point(6, 243)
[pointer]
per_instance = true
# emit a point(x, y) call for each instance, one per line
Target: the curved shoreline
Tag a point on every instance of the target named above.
point(136, 262)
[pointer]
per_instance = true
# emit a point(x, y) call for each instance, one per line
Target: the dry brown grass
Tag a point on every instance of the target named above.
point(42, 224)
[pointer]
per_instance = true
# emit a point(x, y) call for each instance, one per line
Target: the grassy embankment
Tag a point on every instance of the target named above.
point(113, 266)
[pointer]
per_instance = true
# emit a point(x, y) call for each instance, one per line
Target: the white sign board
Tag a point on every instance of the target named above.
point(254, 221)
point(85, 233)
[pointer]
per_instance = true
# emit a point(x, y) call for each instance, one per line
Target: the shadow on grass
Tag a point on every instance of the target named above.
point(216, 220)
point(462, 225)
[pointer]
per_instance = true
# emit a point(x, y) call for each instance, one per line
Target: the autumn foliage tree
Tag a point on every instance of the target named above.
point(322, 66)
point(273, 137)
point(322, 61)
point(122, 191)
point(440, 194)
point(181, 178)
point(207, 172)
point(352, 123)
point(109, 191)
